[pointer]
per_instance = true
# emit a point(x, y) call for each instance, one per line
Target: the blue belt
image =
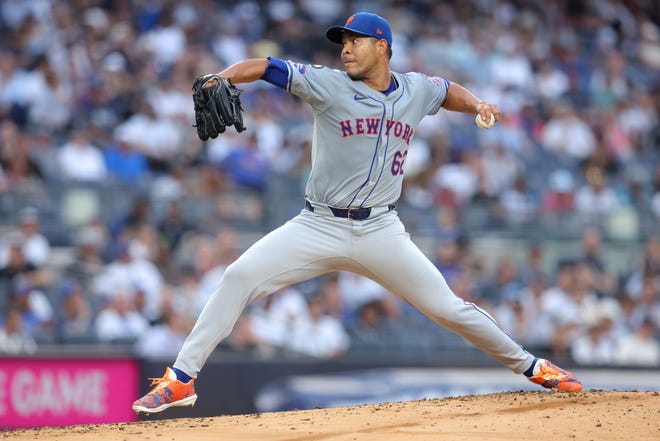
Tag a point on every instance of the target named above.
point(348, 213)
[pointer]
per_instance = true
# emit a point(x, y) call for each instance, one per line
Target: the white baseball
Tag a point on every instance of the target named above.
point(483, 124)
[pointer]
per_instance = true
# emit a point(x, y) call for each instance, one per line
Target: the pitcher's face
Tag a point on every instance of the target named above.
point(359, 54)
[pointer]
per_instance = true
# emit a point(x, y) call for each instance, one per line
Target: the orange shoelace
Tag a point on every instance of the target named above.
point(160, 380)
point(550, 373)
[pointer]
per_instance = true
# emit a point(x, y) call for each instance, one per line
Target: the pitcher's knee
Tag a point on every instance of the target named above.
point(240, 279)
point(237, 277)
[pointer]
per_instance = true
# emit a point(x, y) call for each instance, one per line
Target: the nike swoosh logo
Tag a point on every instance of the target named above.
point(360, 98)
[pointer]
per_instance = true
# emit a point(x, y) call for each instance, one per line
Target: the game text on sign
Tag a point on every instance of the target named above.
point(55, 392)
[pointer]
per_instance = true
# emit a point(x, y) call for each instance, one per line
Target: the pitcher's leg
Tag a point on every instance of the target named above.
point(292, 253)
point(394, 261)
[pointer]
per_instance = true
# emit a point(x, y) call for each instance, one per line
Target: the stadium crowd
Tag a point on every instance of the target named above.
point(117, 222)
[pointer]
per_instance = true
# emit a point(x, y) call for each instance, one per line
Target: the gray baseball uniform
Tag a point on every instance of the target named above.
point(360, 142)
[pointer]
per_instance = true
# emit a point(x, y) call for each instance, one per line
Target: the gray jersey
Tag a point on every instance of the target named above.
point(355, 125)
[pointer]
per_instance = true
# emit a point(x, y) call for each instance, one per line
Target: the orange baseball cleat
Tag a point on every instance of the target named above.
point(553, 377)
point(169, 392)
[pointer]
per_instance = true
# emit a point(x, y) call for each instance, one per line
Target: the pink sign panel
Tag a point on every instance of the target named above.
point(62, 392)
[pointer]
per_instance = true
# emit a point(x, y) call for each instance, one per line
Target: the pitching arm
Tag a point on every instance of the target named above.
point(246, 71)
point(459, 99)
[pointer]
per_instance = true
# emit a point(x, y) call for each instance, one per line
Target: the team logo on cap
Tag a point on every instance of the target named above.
point(378, 31)
point(350, 20)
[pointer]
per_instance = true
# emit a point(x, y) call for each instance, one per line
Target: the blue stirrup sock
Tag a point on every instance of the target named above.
point(530, 371)
point(181, 376)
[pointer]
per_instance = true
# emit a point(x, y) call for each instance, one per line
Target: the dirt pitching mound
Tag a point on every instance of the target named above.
point(591, 415)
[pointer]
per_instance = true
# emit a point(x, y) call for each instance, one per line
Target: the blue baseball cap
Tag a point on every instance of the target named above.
point(363, 23)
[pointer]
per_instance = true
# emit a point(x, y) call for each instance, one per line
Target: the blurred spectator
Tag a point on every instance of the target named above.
point(639, 348)
point(602, 159)
point(35, 308)
point(514, 133)
point(13, 339)
point(246, 165)
point(566, 134)
point(4, 184)
point(609, 84)
point(53, 110)
point(456, 182)
point(655, 199)
point(517, 204)
point(551, 82)
point(592, 251)
point(618, 147)
point(173, 225)
point(124, 162)
point(596, 345)
point(171, 98)
point(646, 269)
point(332, 300)
point(165, 41)
point(373, 333)
point(638, 118)
point(22, 87)
point(448, 259)
point(318, 334)
point(269, 135)
point(36, 247)
point(211, 256)
point(465, 287)
point(509, 66)
point(559, 199)
point(133, 275)
point(637, 189)
point(505, 284)
point(88, 260)
point(156, 138)
point(499, 169)
point(567, 306)
point(139, 212)
point(533, 267)
point(356, 290)
point(163, 340)
point(74, 318)
point(595, 200)
point(521, 315)
point(267, 325)
point(185, 292)
point(20, 171)
point(118, 321)
point(170, 187)
point(145, 243)
point(13, 261)
point(447, 226)
point(648, 50)
point(627, 319)
point(648, 302)
point(80, 160)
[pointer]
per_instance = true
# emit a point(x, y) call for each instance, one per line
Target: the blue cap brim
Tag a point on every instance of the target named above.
point(336, 33)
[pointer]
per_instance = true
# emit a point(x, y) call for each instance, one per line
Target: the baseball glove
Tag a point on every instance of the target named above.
point(217, 106)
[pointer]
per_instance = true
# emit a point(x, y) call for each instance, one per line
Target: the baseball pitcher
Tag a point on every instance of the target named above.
point(365, 117)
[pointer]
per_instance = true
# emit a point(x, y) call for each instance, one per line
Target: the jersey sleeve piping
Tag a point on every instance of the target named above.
point(289, 77)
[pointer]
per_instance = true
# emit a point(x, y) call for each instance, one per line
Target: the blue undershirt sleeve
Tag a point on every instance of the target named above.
point(277, 73)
